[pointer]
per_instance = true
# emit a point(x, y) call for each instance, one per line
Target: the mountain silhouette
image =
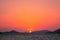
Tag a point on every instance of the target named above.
point(54, 32)
point(10, 32)
point(46, 32)
point(40, 32)
point(13, 31)
point(0, 32)
point(57, 31)
point(33, 33)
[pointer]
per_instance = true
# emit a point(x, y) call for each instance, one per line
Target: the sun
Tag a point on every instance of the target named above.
point(30, 29)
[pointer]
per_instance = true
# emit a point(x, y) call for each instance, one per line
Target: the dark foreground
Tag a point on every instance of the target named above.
point(30, 37)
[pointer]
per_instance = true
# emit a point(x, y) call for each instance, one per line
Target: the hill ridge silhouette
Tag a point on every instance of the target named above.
point(33, 33)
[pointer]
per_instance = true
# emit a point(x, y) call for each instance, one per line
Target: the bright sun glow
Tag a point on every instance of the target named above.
point(30, 29)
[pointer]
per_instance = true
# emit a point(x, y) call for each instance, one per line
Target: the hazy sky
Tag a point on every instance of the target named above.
point(26, 15)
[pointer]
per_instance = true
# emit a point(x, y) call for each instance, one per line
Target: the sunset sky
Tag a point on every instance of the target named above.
point(29, 15)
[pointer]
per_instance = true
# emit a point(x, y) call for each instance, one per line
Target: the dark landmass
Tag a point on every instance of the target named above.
point(54, 32)
point(36, 35)
point(40, 32)
point(33, 33)
point(57, 31)
point(46, 32)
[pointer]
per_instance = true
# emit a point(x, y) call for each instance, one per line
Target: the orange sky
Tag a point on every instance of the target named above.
point(19, 15)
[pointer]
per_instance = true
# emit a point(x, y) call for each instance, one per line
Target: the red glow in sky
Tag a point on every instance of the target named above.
point(29, 15)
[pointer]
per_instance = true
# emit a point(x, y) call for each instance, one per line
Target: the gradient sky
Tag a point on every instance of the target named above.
point(29, 15)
